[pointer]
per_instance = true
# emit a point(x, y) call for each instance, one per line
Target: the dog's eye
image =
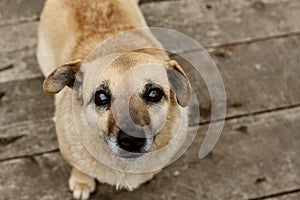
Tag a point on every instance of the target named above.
point(102, 98)
point(154, 95)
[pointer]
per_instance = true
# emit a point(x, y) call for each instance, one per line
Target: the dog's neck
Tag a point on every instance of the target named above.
point(101, 24)
point(134, 40)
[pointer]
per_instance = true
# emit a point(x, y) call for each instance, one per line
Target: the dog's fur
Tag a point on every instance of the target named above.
point(68, 32)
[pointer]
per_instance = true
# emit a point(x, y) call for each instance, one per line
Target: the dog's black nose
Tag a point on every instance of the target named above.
point(131, 143)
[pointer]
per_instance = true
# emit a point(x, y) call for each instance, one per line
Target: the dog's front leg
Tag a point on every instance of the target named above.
point(81, 184)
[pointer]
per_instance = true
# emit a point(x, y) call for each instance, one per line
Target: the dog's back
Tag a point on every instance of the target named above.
point(70, 29)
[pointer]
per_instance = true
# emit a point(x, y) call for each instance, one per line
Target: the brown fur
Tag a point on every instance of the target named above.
point(113, 20)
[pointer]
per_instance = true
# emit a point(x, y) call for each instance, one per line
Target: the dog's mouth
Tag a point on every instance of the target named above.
point(127, 147)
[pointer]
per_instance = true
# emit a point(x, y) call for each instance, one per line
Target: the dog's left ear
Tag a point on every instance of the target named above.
point(62, 76)
point(179, 82)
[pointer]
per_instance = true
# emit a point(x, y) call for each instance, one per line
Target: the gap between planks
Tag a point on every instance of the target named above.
point(208, 47)
point(31, 155)
point(256, 113)
point(243, 42)
point(279, 194)
point(23, 21)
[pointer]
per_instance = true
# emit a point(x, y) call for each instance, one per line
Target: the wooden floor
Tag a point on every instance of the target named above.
point(256, 45)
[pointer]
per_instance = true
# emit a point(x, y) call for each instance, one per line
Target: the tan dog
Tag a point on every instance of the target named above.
point(96, 134)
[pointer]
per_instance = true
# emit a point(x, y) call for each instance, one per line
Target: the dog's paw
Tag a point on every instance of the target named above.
point(81, 191)
point(81, 185)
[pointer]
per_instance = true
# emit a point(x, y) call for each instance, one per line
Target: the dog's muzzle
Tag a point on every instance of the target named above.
point(130, 143)
point(129, 146)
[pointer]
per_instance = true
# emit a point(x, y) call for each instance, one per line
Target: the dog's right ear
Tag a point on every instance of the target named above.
point(180, 83)
point(64, 75)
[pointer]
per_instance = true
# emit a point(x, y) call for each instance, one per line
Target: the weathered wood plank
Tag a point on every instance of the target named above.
point(25, 119)
point(19, 66)
point(259, 76)
point(24, 101)
point(255, 161)
point(217, 22)
point(18, 37)
point(40, 177)
point(27, 138)
point(19, 11)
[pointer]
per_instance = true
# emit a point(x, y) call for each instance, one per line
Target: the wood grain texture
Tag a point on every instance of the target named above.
point(257, 77)
point(20, 65)
point(27, 138)
point(216, 22)
point(25, 101)
point(41, 177)
point(26, 125)
point(12, 12)
point(18, 37)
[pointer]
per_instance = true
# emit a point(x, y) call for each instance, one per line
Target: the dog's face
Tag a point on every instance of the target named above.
point(132, 100)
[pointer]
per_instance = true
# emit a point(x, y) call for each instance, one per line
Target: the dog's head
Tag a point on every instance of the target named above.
point(133, 100)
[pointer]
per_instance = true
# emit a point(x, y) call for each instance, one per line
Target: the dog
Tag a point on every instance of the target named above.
point(116, 106)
